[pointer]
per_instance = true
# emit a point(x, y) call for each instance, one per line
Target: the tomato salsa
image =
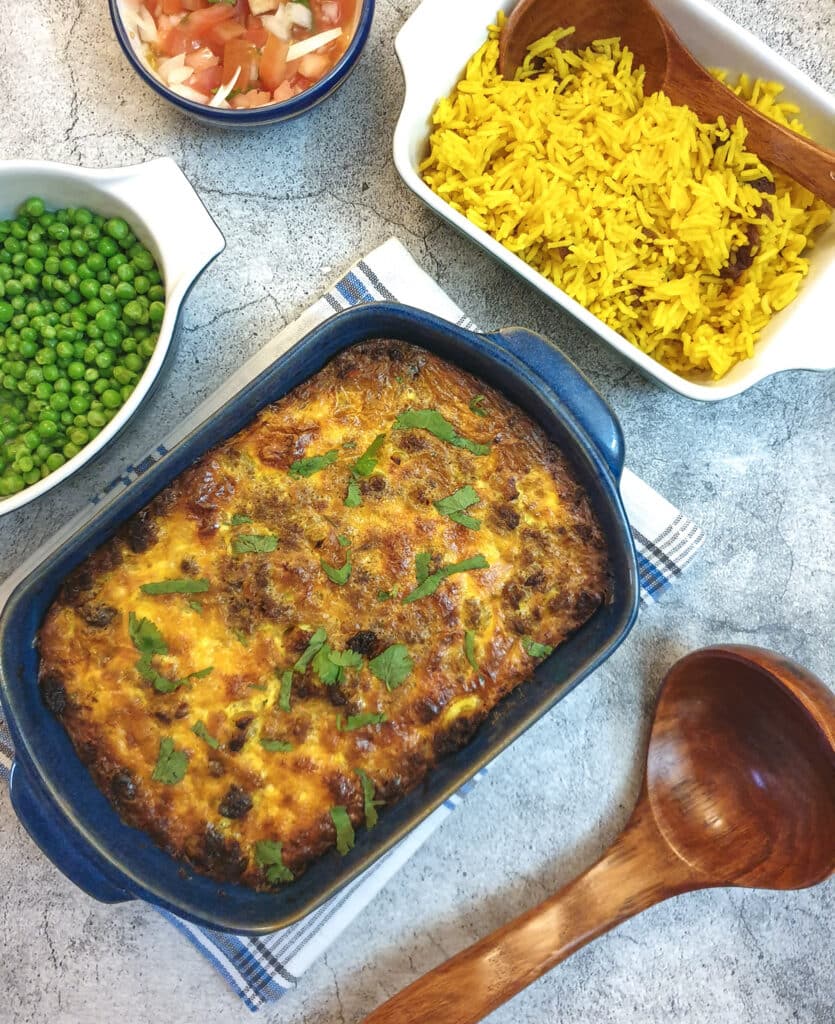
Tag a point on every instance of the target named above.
point(241, 53)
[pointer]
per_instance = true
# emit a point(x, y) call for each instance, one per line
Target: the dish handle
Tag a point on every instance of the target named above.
point(71, 855)
point(186, 235)
point(585, 403)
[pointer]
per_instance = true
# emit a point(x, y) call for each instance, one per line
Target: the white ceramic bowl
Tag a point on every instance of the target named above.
point(166, 215)
point(800, 337)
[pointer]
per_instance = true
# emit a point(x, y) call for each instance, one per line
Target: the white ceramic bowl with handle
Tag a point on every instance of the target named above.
point(166, 215)
point(801, 337)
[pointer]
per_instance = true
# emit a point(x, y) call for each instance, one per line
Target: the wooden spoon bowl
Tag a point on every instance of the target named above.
point(739, 790)
point(670, 67)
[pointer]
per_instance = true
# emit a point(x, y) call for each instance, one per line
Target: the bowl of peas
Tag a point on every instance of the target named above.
point(95, 266)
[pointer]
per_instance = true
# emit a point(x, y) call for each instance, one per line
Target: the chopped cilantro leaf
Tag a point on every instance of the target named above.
point(145, 636)
point(393, 666)
point(534, 649)
point(344, 829)
point(431, 583)
point(454, 505)
point(241, 637)
point(171, 763)
point(307, 467)
point(254, 543)
point(437, 425)
point(354, 722)
point(369, 803)
point(276, 746)
point(196, 606)
point(343, 541)
point(338, 576)
point(367, 462)
point(353, 499)
point(329, 665)
point(477, 405)
point(176, 587)
point(422, 560)
point(239, 520)
point(313, 645)
point(386, 595)
point(469, 648)
point(268, 855)
point(286, 687)
point(199, 729)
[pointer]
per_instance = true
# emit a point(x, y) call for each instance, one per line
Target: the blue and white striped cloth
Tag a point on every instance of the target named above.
point(261, 969)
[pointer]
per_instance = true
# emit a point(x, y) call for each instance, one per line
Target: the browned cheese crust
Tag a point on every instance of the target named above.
point(546, 574)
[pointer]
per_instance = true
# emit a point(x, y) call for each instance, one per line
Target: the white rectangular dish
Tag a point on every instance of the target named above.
point(800, 337)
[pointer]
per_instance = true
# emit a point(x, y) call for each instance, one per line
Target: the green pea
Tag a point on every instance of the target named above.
point(111, 399)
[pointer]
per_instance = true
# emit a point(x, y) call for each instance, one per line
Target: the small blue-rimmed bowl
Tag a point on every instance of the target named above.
point(252, 117)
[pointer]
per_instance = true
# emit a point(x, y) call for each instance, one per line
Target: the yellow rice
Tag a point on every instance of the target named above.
point(628, 203)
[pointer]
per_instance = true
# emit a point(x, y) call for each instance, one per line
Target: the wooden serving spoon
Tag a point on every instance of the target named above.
point(670, 67)
point(739, 790)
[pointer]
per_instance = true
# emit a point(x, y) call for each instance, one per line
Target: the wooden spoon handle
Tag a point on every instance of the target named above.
point(686, 81)
point(638, 871)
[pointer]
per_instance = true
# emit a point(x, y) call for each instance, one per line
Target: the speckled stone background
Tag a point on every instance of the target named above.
point(299, 203)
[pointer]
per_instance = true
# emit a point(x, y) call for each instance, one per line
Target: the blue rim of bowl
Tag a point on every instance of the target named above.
point(270, 112)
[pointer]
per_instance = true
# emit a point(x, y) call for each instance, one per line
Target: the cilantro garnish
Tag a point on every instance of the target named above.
point(171, 763)
point(354, 722)
point(353, 499)
point(254, 543)
point(196, 606)
point(344, 829)
point(369, 803)
point(330, 665)
point(307, 467)
point(145, 636)
point(431, 583)
point(454, 505)
point(239, 520)
point(268, 855)
point(393, 666)
point(477, 405)
point(199, 729)
point(422, 560)
point(313, 645)
point(286, 687)
point(367, 462)
point(276, 746)
point(534, 649)
point(363, 467)
point(176, 587)
point(437, 425)
point(386, 595)
point(469, 648)
point(342, 575)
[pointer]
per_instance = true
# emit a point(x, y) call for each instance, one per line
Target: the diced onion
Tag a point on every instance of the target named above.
point(146, 25)
point(279, 23)
point(188, 93)
point(220, 96)
point(165, 67)
point(305, 46)
point(300, 15)
point(177, 76)
point(329, 12)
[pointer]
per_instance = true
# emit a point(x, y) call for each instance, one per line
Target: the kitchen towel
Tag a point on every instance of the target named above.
point(262, 968)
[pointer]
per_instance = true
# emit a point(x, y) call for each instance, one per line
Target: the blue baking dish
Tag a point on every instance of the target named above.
point(52, 792)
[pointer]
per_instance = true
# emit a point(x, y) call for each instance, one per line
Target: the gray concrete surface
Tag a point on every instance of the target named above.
point(297, 204)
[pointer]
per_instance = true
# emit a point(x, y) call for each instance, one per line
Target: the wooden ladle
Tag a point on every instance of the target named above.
point(739, 790)
point(669, 67)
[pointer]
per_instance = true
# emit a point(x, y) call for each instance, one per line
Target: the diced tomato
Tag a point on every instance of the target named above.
point(200, 21)
point(274, 62)
point(314, 65)
point(171, 6)
point(283, 92)
point(192, 5)
point(202, 59)
point(257, 36)
point(238, 53)
point(253, 98)
point(207, 80)
point(221, 34)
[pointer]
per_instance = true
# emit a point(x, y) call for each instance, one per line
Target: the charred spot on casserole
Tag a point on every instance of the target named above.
point(297, 628)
